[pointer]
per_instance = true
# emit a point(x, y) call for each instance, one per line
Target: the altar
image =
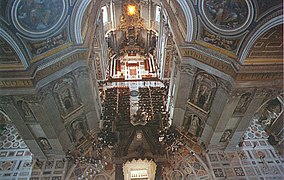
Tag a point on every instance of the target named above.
point(133, 67)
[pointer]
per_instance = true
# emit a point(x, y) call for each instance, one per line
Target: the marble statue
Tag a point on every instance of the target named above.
point(226, 135)
point(44, 144)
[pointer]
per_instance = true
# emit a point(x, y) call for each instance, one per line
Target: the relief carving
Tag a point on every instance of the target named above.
point(81, 72)
point(203, 91)
point(188, 69)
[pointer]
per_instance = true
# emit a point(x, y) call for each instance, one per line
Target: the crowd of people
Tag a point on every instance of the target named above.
point(116, 107)
point(152, 102)
point(124, 104)
point(171, 138)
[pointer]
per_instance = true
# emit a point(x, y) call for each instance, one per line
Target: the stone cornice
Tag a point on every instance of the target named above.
point(43, 71)
point(230, 66)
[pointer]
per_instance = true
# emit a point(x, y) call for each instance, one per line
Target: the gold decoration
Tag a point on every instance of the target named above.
point(131, 10)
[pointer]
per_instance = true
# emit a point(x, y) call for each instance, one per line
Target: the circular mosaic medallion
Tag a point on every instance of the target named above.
point(37, 16)
point(134, 93)
point(8, 144)
point(16, 144)
point(10, 138)
point(2, 138)
point(250, 135)
point(264, 134)
point(177, 175)
point(227, 17)
point(257, 134)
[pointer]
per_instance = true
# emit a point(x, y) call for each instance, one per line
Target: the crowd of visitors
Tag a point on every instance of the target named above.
point(152, 101)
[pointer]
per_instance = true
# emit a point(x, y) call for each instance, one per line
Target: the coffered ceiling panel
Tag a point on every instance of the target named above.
point(268, 48)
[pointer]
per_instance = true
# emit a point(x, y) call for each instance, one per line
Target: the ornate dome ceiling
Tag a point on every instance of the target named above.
point(38, 30)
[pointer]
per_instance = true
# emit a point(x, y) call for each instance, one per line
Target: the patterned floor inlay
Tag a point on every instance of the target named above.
point(257, 160)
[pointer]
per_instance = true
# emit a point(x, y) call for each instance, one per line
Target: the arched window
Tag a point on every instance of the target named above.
point(158, 13)
point(105, 15)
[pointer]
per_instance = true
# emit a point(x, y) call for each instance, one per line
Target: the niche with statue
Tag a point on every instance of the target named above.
point(203, 91)
point(66, 96)
point(243, 104)
point(226, 135)
point(193, 125)
point(268, 112)
point(44, 143)
point(78, 130)
point(26, 111)
point(4, 119)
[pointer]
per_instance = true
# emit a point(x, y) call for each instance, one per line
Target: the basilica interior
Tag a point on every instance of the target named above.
point(141, 89)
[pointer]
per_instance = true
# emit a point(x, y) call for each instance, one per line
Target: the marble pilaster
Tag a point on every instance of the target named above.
point(88, 96)
point(59, 138)
point(217, 116)
point(23, 130)
point(246, 119)
point(184, 83)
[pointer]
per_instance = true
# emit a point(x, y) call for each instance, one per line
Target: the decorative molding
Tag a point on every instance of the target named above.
point(59, 65)
point(78, 21)
point(261, 28)
point(15, 46)
point(31, 98)
point(239, 92)
point(209, 60)
point(259, 76)
point(16, 83)
point(51, 52)
point(187, 8)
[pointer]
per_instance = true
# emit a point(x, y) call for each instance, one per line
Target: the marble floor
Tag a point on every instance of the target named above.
point(15, 157)
point(244, 163)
